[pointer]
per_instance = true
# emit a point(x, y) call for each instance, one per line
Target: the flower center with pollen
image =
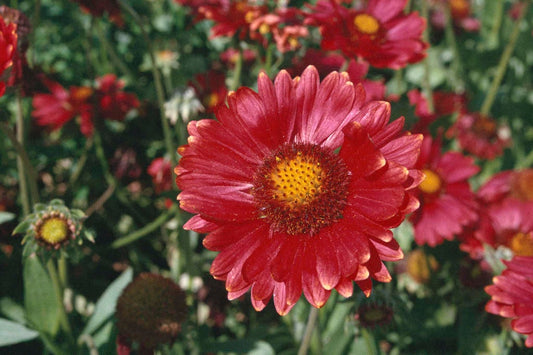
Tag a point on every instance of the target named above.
point(54, 230)
point(366, 24)
point(432, 183)
point(522, 244)
point(297, 180)
point(301, 189)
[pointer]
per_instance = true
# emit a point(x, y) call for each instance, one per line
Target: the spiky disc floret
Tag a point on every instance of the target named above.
point(150, 310)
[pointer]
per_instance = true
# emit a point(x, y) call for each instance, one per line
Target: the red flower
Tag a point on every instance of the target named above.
point(298, 186)
point(381, 33)
point(444, 104)
point(506, 204)
point(447, 204)
point(60, 106)
point(114, 103)
point(160, 170)
point(210, 88)
point(480, 135)
point(512, 295)
point(8, 47)
point(232, 17)
point(285, 25)
point(517, 184)
point(97, 8)
point(460, 12)
point(328, 62)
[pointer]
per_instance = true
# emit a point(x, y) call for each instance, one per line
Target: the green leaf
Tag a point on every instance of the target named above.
point(22, 227)
point(6, 216)
point(40, 302)
point(105, 306)
point(12, 310)
point(14, 333)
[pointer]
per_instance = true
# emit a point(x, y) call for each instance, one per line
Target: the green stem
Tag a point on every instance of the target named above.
point(63, 319)
point(112, 54)
point(21, 169)
point(456, 66)
point(100, 154)
point(502, 65)
point(309, 328)
point(236, 80)
point(171, 151)
point(370, 342)
point(150, 227)
point(426, 81)
point(81, 162)
point(497, 21)
point(63, 271)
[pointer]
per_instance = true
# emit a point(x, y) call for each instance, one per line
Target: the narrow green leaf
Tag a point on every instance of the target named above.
point(39, 297)
point(14, 333)
point(22, 227)
point(105, 306)
point(12, 310)
point(6, 216)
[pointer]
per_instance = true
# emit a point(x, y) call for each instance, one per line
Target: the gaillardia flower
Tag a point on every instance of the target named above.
point(480, 135)
point(150, 311)
point(512, 295)
point(380, 33)
point(53, 227)
point(447, 204)
point(298, 186)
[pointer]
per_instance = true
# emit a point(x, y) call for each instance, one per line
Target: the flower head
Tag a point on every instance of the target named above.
point(8, 48)
point(233, 18)
point(60, 106)
point(447, 204)
point(481, 135)
point(150, 311)
point(184, 104)
point(372, 315)
point(160, 170)
point(52, 228)
point(512, 295)
point(298, 186)
point(113, 102)
point(380, 33)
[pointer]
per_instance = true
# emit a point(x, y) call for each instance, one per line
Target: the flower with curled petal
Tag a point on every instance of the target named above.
point(298, 186)
point(381, 33)
point(447, 203)
point(512, 295)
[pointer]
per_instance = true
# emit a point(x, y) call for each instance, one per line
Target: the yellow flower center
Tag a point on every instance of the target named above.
point(264, 29)
point(301, 189)
point(82, 93)
point(212, 100)
point(522, 185)
point(54, 230)
point(366, 23)
point(297, 181)
point(522, 244)
point(459, 7)
point(432, 182)
point(249, 16)
point(293, 42)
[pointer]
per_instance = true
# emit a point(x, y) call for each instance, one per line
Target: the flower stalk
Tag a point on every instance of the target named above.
point(157, 82)
point(502, 65)
point(309, 329)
